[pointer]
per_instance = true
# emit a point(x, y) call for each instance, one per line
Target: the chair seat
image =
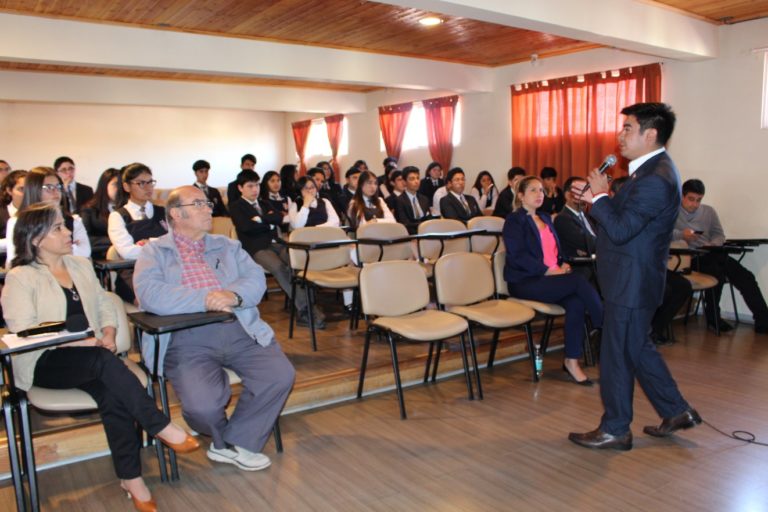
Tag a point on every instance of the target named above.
point(343, 277)
point(498, 314)
point(429, 268)
point(700, 281)
point(72, 399)
point(542, 307)
point(428, 325)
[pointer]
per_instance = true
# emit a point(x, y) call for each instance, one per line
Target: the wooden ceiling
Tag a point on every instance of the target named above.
point(722, 11)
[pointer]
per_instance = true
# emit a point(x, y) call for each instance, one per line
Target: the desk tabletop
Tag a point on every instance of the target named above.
point(113, 264)
point(160, 324)
point(42, 342)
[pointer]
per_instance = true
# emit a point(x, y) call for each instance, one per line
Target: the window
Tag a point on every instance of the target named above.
point(318, 145)
point(416, 132)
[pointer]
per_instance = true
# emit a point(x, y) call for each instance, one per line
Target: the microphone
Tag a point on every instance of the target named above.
point(609, 162)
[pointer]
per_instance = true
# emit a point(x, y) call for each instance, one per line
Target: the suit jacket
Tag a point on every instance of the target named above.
point(214, 196)
point(522, 240)
point(254, 235)
point(504, 203)
point(451, 208)
point(575, 240)
point(98, 234)
point(404, 211)
point(634, 232)
point(427, 188)
point(83, 194)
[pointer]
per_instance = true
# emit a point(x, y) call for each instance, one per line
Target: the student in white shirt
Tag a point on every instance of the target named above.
point(485, 192)
point(11, 195)
point(309, 209)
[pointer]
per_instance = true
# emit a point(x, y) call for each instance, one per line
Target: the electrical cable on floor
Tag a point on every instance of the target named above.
point(738, 435)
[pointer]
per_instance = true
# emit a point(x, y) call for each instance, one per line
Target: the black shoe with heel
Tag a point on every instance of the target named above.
point(585, 382)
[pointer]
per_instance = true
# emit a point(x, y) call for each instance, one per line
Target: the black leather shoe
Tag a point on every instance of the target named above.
point(722, 324)
point(687, 419)
point(585, 382)
point(599, 440)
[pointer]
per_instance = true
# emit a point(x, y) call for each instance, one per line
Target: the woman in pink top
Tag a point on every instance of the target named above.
point(534, 270)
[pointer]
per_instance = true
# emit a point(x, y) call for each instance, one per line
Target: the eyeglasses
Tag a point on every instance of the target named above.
point(143, 184)
point(51, 188)
point(199, 204)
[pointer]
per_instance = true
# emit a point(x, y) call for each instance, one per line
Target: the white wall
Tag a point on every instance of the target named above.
point(167, 139)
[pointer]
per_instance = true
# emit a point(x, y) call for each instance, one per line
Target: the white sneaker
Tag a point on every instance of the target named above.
point(240, 457)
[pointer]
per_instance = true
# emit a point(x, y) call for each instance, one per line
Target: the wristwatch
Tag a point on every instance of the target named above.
point(239, 300)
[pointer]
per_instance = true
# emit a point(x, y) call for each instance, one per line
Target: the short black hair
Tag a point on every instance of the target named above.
point(432, 165)
point(200, 164)
point(360, 162)
point(515, 171)
point(352, 171)
point(62, 160)
point(569, 182)
point(653, 115)
point(315, 170)
point(453, 172)
point(247, 157)
point(247, 176)
point(695, 186)
point(548, 172)
point(388, 161)
point(410, 169)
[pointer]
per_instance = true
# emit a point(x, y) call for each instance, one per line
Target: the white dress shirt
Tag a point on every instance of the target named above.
point(121, 240)
point(298, 218)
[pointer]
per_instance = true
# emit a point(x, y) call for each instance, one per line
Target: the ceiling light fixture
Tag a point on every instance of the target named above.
point(430, 21)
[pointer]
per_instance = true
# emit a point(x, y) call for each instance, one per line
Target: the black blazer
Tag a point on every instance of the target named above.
point(522, 240)
point(404, 211)
point(553, 204)
point(504, 203)
point(254, 235)
point(96, 227)
point(428, 189)
point(451, 208)
point(214, 196)
point(634, 232)
point(83, 194)
point(575, 240)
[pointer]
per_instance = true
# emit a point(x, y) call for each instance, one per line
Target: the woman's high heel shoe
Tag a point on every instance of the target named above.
point(585, 382)
point(189, 444)
point(141, 506)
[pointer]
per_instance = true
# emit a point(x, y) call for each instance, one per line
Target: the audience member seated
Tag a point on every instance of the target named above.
point(333, 188)
point(574, 228)
point(700, 226)
point(534, 270)
point(247, 163)
point(388, 165)
point(367, 206)
point(11, 195)
point(256, 221)
point(485, 192)
point(271, 194)
point(456, 204)
point(506, 201)
point(5, 169)
point(411, 208)
point(361, 165)
point(318, 175)
point(75, 194)
point(47, 283)
point(201, 169)
point(42, 184)
point(96, 212)
point(135, 222)
point(309, 209)
point(289, 173)
point(554, 200)
point(348, 191)
point(433, 180)
point(440, 193)
point(191, 271)
point(396, 185)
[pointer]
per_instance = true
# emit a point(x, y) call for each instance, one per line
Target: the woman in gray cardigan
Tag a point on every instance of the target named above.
point(47, 283)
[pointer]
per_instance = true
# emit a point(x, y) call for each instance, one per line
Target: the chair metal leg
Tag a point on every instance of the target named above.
point(293, 310)
point(311, 315)
point(29, 454)
point(531, 351)
point(396, 370)
point(429, 361)
point(437, 360)
point(364, 362)
point(465, 363)
point(13, 453)
point(163, 387)
point(278, 437)
point(544, 343)
point(492, 352)
point(473, 352)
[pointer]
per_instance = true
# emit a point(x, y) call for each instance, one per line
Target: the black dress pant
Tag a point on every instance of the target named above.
point(722, 267)
point(121, 399)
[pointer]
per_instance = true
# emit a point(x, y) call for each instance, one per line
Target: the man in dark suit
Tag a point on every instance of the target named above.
point(349, 189)
point(456, 204)
point(575, 229)
point(247, 163)
point(505, 202)
point(255, 222)
point(411, 207)
point(201, 169)
point(75, 193)
point(634, 232)
point(432, 181)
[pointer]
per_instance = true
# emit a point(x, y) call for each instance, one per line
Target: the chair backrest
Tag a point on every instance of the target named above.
point(124, 335)
point(678, 263)
point(499, 260)
point(393, 288)
point(222, 226)
point(463, 278)
point(430, 249)
point(384, 231)
point(112, 253)
point(486, 244)
point(323, 259)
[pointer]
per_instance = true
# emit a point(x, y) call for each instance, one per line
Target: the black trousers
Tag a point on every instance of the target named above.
point(676, 292)
point(121, 399)
point(723, 266)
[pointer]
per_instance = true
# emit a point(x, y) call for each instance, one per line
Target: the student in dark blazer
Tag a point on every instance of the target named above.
point(456, 204)
point(504, 205)
point(247, 163)
point(411, 207)
point(201, 169)
point(433, 180)
point(575, 229)
point(348, 190)
point(634, 233)
point(534, 270)
point(75, 194)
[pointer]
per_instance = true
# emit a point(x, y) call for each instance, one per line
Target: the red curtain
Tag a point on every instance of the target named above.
point(300, 135)
point(440, 114)
point(571, 123)
point(392, 120)
point(334, 126)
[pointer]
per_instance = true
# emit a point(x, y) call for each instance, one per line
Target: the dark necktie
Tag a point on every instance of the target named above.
point(417, 213)
point(142, 213)
point(464, 203)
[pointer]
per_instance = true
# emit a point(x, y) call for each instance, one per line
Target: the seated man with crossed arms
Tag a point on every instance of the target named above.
point(190, 271)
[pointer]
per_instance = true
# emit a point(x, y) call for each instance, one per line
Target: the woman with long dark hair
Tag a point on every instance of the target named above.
point(366, 205)
point(309, 209)
point(96, 212)
point(11, 195)
point(485, 192)
point(288, 176)
point(271, 193)
point(48, 283)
